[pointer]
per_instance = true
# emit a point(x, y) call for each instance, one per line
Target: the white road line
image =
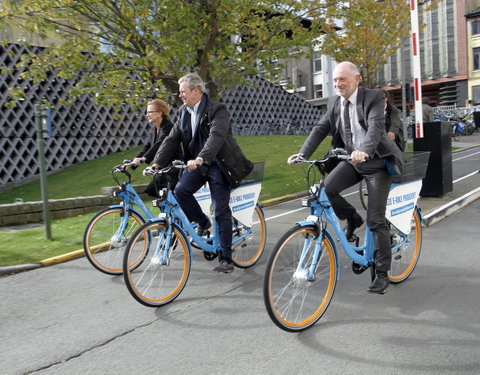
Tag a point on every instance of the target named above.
point(466, 156)
point(299, 209)
point(466, 176)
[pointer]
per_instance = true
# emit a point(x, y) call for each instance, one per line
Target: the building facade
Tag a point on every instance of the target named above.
point(450, 56)
point(473, 42)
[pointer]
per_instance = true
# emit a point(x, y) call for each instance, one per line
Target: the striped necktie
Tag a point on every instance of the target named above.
point(348, 127)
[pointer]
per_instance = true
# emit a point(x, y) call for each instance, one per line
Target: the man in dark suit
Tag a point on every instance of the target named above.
point(211, 154)
point(355, 119)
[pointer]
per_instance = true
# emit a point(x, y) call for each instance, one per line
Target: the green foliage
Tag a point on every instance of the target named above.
point(30, 245)
point(371, 32)
point(126, 50)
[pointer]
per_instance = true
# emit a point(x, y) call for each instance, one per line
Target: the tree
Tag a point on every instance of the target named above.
point(371, 32)
point(126, 50)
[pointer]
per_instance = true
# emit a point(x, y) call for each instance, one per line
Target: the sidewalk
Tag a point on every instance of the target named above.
point(433, 209)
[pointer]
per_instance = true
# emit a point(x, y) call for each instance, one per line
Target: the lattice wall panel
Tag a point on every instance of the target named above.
point(265, 109)
point(85, 131)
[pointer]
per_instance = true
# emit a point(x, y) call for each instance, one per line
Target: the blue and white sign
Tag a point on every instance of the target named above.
point(243, 200)
point(401, 202)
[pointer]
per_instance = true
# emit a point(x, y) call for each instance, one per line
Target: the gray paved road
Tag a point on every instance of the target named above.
point(71, 319)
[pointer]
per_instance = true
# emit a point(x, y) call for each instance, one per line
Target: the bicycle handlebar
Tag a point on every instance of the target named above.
point(336, 154)
point(152, 171)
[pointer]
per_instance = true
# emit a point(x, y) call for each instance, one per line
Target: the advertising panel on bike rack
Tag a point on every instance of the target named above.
point(401, 202)
point(204, 199)
point(243, 200)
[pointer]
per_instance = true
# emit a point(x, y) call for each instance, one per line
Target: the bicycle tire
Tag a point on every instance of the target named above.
point(406, 257)
point(363, 194)
point(293, 302)
point(152, 283)
point(103, 253)
point(246, 253)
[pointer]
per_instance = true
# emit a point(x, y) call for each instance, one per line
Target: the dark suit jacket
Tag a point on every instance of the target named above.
point(393, 123)
point(151, 148)
point(214, 141)
point(370, 112)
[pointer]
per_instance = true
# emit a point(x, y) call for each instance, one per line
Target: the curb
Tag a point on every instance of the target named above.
point(441, 213)
point(285, 198)
point(9, 270)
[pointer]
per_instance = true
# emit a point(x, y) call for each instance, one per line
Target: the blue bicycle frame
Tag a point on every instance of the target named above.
point(173, 215)
point(129, 197)
point(321, 210)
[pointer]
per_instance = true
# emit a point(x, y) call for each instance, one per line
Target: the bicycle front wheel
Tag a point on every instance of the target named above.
point(104, 242)
point(296, 294)
point(405, 257)
point(249, 249)
point(163, 274)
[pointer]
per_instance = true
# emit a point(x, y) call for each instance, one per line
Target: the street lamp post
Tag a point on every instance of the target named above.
point(41, 122)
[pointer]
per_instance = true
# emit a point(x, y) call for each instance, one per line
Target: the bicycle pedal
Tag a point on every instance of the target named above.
point(355, 239)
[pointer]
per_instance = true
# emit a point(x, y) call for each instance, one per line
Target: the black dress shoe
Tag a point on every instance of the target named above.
point(379, 285)
point(203, 230)
point(353, 223)
point(225, 266)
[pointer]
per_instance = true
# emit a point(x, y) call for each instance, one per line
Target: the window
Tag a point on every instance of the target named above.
point(476, 27)
point(318, 91)
point(475, 95)
point(317, 63)
point(476, 59)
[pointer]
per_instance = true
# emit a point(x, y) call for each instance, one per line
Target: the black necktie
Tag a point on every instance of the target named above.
point(187, 123)
point(348, 128)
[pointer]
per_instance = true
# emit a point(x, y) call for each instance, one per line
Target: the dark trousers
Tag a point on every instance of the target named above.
point(189, 183)
point(161, 181)
point(378, 182)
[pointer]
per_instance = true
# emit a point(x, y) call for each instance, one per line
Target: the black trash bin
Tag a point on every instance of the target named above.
point(437, 139)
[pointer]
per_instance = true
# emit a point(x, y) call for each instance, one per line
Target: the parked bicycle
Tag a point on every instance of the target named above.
point(107, 233)
point(158, 256)
point(304, 266)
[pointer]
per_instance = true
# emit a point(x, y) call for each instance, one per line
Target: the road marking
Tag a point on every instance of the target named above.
point(466, 156)
point(301, 208)
point(466, 176)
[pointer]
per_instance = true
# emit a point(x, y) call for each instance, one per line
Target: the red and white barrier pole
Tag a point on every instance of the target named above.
point(417, 74)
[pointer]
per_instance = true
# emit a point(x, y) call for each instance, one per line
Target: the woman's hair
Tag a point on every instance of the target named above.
point(386, 95)
point(161, 106)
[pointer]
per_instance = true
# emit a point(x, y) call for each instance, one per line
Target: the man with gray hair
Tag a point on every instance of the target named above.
point(212, 155)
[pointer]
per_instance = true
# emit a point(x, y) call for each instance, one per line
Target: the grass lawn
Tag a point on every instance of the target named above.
point(85, 179)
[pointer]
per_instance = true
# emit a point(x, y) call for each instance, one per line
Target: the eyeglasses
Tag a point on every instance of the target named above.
point(152, 112)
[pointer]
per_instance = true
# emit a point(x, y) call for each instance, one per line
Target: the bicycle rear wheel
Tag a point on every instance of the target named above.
point(293, 301)
point(363, 194)
point(248, 251)
point(164, 272)
point(405, 258)
point(104, 246)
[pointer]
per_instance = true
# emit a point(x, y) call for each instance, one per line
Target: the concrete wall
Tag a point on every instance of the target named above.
point(32, 212)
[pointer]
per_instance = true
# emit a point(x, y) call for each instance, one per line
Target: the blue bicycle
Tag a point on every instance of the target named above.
point(107, 233)
point(302, 270)
point(161, 249)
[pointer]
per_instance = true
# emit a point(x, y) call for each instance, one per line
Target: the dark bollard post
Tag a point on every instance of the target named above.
point(40, 121)
point(437, 139)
